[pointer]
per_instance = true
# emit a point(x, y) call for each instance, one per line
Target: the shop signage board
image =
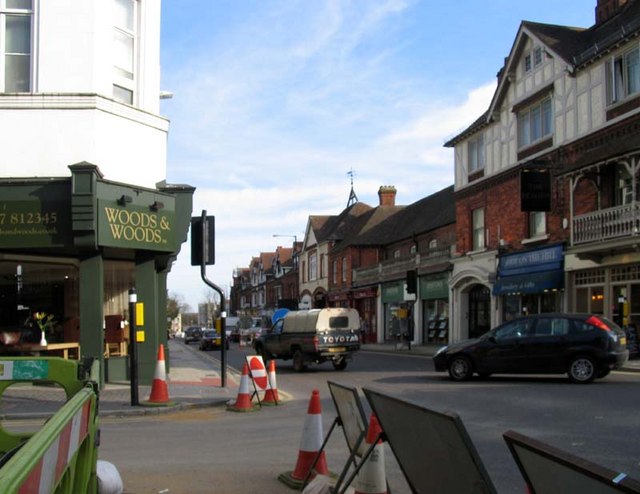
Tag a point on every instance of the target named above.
point(135, 227)
point(37, 222)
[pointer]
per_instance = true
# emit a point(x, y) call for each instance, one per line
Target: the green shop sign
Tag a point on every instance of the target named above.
point(135, 227)
point(34, 223)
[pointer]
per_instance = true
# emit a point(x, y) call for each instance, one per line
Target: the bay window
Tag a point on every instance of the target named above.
point(535, 123)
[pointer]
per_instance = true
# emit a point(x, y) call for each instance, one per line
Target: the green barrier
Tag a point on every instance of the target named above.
point(61, 457)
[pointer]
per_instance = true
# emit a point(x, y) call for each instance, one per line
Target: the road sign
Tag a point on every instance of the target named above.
point(258, 371)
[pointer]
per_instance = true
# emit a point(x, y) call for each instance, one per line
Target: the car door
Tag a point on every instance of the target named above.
point(273, 338)
point(501, 349)
point(546, 345)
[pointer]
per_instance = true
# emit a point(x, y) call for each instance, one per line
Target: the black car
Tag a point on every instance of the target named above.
point(211, 339)
point(584, 346)
point(194, 333)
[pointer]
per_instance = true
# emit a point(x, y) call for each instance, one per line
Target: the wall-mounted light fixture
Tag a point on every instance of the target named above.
point(123, 200)
point(156, 206)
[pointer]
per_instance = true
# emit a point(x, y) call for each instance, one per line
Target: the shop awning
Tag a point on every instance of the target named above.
point(530, 283)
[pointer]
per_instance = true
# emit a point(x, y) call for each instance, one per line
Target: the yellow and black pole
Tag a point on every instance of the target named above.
point(133, 350)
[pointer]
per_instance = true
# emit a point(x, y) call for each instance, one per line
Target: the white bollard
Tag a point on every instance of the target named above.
point(109, 480)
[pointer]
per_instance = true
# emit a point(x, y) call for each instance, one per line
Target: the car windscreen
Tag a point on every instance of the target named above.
point(210, 334)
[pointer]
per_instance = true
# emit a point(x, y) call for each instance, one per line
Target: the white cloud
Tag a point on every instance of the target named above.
point(267, 122)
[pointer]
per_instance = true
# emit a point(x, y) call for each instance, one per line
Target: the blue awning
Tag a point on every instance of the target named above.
point(530, 283)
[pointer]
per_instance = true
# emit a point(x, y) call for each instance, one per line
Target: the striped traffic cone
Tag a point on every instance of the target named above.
point(310, 444)
point(371, 477)
point(243, 400)
point(159, 389)
point(271, 394)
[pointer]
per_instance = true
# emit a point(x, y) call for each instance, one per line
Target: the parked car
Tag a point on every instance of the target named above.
point(193, 333)
point(584, 346)
point(211, 340)
point(316, 335)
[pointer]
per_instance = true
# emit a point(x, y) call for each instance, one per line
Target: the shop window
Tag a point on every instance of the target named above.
point(30, 287)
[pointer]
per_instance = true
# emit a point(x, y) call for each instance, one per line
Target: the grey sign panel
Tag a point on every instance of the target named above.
point(433, 449)
point(352, 416)
point(548, 470)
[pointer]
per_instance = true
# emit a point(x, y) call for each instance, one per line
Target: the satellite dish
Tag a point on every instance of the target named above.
point(279, 314)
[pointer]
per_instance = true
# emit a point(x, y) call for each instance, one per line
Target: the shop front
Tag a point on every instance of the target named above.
point(398, 312)
point(530, 282)
point(434, 297)
point(71, 250)
point(365, 301)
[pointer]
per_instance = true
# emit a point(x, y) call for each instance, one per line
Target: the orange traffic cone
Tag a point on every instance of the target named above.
point(243, 400)
point(271, 394)
point(310, 444)
point(159, 390)
point(371, 477)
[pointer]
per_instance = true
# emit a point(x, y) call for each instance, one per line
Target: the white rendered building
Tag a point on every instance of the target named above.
point(80, 81)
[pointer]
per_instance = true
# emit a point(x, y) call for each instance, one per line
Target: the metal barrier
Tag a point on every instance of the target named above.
point(61, 457)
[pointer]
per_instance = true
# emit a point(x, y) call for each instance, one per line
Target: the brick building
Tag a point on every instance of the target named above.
point(545, 180)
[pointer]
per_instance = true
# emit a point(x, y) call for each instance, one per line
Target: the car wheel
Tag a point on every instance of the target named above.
point(582, 369)
point(340, 364)
point(460, 368)
point(298, 361)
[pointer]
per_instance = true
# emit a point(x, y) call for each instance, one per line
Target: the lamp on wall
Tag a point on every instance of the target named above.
point(123, 200)
point(156, 206)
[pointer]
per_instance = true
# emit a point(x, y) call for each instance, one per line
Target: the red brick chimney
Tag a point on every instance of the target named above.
point(387, 195)
point(606, 9)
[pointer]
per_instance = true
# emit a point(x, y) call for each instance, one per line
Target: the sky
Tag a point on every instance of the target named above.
point(278, 104)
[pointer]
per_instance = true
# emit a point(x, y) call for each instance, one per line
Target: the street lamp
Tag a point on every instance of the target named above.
point(294, 237)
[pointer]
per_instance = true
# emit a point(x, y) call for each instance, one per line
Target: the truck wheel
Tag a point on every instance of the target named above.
point(340, 363)
point(298, 361)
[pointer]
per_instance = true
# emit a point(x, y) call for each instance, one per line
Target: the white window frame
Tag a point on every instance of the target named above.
point(313, 266)
point(335, 271)
point(537, 224)
point(621, 84)
point(4, 13)
point(533, 59)
point(123, 85)
point(476, 154)
point(535, 123)
point(478, 229)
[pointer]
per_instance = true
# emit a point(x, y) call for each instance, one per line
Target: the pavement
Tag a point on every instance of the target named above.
point(193, 381)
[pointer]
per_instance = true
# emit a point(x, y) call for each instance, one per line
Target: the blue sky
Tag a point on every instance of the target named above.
point(275, 101)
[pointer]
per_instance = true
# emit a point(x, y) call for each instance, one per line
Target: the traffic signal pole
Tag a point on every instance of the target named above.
point(223, 314)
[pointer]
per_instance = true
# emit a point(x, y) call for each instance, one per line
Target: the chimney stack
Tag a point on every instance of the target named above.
point(606, 9)
point(387, 195)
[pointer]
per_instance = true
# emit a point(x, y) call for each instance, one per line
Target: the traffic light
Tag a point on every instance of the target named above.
point(197, 245)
